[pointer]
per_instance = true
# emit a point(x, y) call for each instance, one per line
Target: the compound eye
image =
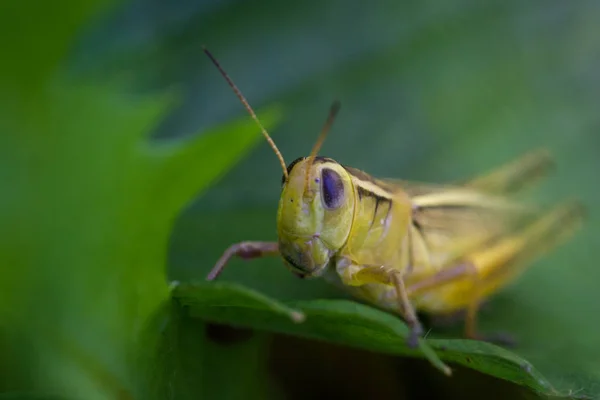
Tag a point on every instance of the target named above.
point(332, 190)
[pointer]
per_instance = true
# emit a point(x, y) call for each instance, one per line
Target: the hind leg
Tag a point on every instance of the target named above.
point(472, 332)
point(464, 271)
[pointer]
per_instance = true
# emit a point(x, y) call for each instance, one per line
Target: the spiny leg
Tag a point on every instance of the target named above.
point(353, 275)
point(452, 274)
point(446, 275)
point(245, 250)
point(502, 262)
point(471, 331)
point(471, 319)
point(410, 315)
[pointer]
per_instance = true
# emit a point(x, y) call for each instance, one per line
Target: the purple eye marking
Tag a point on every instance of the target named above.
point(333, 188)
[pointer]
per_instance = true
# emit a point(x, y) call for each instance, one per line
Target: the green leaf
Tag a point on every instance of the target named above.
point(194, 361)
point(87, 207)
point(352, 324)
point(344, 322)
point(233, 296)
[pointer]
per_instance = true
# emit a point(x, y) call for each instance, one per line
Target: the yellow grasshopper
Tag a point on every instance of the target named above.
point(406, 246)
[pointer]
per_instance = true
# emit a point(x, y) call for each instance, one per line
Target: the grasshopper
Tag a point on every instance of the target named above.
point(408, 246)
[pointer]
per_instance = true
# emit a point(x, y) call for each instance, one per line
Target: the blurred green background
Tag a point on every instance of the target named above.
point(127, 162)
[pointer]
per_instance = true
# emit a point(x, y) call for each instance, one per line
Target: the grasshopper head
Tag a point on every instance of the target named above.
point(317, 203)
point(315, 214)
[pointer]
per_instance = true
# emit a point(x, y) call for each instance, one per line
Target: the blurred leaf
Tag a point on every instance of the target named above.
point(87, 208)
point(23, 396)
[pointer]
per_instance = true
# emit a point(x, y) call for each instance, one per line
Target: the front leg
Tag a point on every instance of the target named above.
point(356, 275)
point(246, 250)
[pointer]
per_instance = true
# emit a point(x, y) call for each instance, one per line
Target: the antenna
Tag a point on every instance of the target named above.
point(335, 108)
point(250, 111)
